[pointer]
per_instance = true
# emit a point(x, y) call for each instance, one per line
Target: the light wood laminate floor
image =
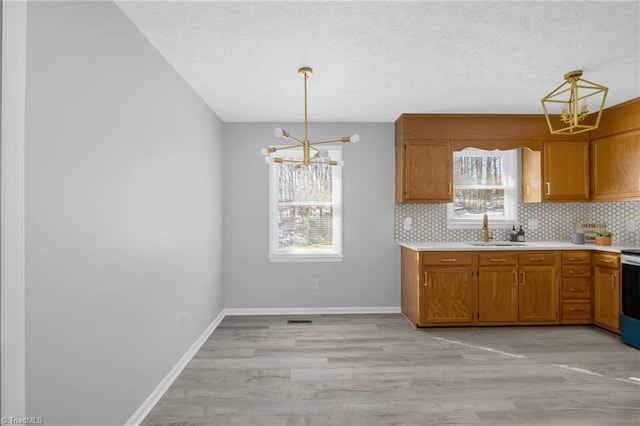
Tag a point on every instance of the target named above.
point(378, 370)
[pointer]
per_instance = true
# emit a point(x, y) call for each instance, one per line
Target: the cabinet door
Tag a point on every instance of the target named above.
point(606, 288)
point(498, 294)
point(615, 172)
point(446, 296)
point(428, 171)
point(566, 171)
point(531, 176)
point(538, 294)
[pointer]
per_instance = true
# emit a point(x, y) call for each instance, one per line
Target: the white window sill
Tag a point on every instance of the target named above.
point(305, 258)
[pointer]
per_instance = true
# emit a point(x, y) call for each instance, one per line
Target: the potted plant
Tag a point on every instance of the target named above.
point(603, 238)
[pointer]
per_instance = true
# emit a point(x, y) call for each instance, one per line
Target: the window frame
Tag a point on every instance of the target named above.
point(511, 192)
point(335, 255)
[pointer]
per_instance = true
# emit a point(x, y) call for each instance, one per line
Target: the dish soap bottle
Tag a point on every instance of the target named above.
point(513, 235)
point(521, 234)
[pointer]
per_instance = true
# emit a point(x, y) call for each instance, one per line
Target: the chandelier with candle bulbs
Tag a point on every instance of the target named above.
point(310, 154)
point(566, 108)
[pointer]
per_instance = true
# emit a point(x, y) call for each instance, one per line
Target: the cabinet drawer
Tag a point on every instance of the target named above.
point(537, 258)
point(447, 258)
point(606, 260)
point(576, 271)
point(578, 288)
point(497, 259)
point(576, 258)
point(576, 310)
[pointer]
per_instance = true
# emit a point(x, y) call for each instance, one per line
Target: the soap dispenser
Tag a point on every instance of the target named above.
point(521, 234)
point(513, 235)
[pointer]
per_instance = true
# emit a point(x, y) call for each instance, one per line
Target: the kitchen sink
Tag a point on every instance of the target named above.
point(497, 244)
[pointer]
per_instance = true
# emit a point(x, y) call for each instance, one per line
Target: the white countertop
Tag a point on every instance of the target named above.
point(528, 245)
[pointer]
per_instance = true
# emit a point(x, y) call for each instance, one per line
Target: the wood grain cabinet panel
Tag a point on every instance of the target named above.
point(531, 176)
point(498, 294)
point(606, 292)
point(447, 259)
point(576, 271)
point(576, 312)
point(607, 260)
point(425, 173)
point(538, 294)
point(576, 288)
point(616, 167)
point(576, 258)
point(566, 171)
point(446, 296)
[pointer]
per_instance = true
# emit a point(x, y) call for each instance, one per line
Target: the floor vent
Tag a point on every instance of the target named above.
point(299, 321)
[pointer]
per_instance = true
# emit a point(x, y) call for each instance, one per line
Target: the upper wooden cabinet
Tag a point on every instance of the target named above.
point(601, 165)
point(424, 171)
point(531, 176)
point(560, 172)
point(616, 167)
point(615, 154)
point(565, 171)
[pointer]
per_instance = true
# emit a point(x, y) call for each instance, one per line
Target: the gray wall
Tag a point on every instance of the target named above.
point(369, 274)
point(123, 214)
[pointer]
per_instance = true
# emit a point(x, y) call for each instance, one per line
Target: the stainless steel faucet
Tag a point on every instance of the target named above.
point(486, 235)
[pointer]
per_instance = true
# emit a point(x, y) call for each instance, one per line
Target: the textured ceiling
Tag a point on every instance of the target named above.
point(373, 61)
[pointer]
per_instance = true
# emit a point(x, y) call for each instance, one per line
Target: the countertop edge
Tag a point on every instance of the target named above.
point(530, 245)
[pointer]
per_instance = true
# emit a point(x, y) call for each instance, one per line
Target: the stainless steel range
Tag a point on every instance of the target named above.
point(630, 318)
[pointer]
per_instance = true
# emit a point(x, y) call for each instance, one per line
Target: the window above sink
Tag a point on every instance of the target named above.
point(484, 182)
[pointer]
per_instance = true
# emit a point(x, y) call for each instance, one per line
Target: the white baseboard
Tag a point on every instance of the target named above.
point(166, 382)
point(313, 311)
point(157, 393)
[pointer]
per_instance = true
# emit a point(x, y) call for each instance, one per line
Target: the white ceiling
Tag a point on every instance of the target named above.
point(373, 61)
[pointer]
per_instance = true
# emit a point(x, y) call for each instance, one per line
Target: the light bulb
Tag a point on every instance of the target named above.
point(268, 159)
point(264, 151)
point(323, 153)
point(354, 138)
point(278, 132)
point(340, 163)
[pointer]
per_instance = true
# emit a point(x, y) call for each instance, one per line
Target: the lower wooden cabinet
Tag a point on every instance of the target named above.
point(515, 293)
point(538, 294)
point(514, 287)
point(446, 296)
point(606, 291)
point(497, 294)
point(576, 288)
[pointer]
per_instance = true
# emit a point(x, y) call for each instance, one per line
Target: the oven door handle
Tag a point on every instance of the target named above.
point(630, 260)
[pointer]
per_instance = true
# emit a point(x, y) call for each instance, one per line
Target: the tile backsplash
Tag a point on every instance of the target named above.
point(556, 221)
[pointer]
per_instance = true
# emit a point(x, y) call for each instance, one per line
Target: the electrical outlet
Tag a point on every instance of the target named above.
point(315, 283)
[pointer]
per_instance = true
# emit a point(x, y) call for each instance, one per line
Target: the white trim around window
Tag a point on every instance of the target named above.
point(510, 216)
point(334, 254)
